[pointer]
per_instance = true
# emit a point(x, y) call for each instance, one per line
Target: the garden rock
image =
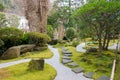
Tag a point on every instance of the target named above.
point(36, 64)
point(12, 52)
point(88, 75)
point(91, 50)
point(78, 70)
point(38, 48)
point(16, 51)
point(26, 48)
point(104, 78)
point(73, 64)
point(64, 61)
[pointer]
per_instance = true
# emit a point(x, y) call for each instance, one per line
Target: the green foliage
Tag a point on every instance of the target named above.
point(75, 43)
point(70, 33)
point(99, 19)
point(37, 38)
point(2, 19)
point(11, 36)
point(1, 7)
point(1, 43)
point(50, 30)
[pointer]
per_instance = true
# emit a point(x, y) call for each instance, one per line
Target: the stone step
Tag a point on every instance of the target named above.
point(64, 61)
point(78, 70)
point(104, 78)
point(88, 75)
point(74, 64)
point(66, 57)
point(66, 52)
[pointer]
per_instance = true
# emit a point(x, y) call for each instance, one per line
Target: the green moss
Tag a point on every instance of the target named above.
point(92, 63)
point(20, 72)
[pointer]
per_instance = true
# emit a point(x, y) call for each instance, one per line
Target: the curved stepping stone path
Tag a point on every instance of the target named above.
point(78, 70)
point(89, 75)
point(104, 78)
point(72, 64)
point(66, 56)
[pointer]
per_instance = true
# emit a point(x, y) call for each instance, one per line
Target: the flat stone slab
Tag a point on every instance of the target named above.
point(64, 49)
point(89, 75)
point(66, 57)
point(78, 70)
point(104, 78)
point(74, 64)
point(67, 54)
point(64, 61)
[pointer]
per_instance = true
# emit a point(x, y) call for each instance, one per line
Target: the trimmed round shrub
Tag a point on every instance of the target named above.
point(37, 38)
point(11, 36)
point(70, 33)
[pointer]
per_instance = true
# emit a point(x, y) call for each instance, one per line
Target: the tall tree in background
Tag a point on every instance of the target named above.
point(103, 18)
point(36, 14)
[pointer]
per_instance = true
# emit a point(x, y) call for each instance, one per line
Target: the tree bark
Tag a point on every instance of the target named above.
point(100, 41)
point(36, 13)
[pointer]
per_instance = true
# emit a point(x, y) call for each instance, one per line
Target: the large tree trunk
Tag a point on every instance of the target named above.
point(36, 12)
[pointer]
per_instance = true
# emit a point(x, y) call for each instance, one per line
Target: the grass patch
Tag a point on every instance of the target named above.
point(40, 54)
point(92, 63)
point(20, 72)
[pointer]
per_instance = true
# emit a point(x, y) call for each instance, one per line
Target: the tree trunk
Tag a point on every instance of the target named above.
point(108, 41)
point(100, 41)
point(104, 40)
point(36, 14)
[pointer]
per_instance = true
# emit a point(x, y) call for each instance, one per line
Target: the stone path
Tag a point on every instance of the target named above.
point(63, 72)
point(3, 65)
point(79, 48)
point(113, 46)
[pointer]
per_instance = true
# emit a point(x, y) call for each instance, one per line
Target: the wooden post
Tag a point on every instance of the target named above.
point(113, 70)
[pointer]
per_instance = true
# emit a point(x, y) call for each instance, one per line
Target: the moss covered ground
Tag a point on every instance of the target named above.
point(92, 63)
point(20, 72)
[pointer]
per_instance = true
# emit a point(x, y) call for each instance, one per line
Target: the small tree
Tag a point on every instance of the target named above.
point(102, 17)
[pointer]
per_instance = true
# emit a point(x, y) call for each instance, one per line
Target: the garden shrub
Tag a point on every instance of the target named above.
point(75, 43)
point(70, 33)
point(11, 36)
point(39, 39)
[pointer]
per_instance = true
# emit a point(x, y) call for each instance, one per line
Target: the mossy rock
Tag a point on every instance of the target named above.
point(91, 50)
point(12, 52)
point(38, 48)
point(36, 64)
